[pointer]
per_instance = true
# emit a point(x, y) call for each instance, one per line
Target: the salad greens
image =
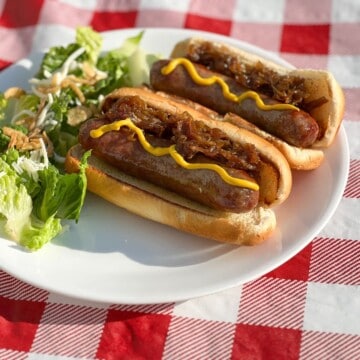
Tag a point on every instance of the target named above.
point(38, 127)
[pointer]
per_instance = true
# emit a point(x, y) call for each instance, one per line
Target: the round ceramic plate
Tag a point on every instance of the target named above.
point(115, 257)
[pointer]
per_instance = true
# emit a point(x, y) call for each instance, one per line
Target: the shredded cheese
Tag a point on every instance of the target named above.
point(38, 160)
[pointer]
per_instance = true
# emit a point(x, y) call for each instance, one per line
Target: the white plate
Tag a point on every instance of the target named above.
point(113, 256)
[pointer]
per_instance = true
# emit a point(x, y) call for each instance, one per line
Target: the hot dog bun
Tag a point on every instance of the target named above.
point(166, 207)
point(317, 84)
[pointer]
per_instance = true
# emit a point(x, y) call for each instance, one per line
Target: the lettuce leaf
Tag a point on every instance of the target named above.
point(35, 234)
point(15, 202)
point(61, 195)
point(91, 41)
point(3, 105)
point(33, 219)
point(54, 58)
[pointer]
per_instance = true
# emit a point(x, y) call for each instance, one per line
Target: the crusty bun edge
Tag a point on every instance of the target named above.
point(268, 151)
point(318, 83)
point(162, 206)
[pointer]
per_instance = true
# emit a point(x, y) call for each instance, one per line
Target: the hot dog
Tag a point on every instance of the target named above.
point(170, 162)
point(299, 111)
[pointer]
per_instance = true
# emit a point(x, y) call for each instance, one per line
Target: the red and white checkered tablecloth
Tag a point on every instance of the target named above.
point(309, 308)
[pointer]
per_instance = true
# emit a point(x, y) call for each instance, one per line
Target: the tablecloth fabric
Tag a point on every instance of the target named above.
point(308, 308)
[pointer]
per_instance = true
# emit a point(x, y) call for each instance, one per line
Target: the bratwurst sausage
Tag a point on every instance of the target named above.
point(296, 127)
point(122, 150)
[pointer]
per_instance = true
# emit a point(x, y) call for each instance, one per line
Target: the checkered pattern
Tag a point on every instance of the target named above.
point(309, 308)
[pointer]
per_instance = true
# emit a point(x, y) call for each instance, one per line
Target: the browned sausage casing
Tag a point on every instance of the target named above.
point(295, 127)
point(121, 149)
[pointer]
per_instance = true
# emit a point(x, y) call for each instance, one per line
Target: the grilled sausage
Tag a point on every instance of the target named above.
point(123, 150)
point(295, 127)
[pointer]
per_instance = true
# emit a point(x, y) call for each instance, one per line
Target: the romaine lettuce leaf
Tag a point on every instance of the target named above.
point(32, 221)
point(54, 58)
point(15, 202)
point(3, 105)
point(61, 195)
point(91, 41)
point(35, 234)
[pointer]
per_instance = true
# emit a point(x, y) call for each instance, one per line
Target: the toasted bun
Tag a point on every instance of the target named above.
point(157, 204)
point(318, 83)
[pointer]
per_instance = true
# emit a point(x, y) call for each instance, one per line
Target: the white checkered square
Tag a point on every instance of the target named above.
point(258, 11)
point(332, 308)
point(34, 356)
point(47, 36)
point(345, 11)
point(81, 4)
point(182, 5)
point(346, 69)
point(216, 307)
point(344, 224)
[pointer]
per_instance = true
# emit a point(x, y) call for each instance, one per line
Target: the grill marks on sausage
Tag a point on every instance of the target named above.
point(297, 128)
point(194, 140)
point(190, 136)
point(283, 88)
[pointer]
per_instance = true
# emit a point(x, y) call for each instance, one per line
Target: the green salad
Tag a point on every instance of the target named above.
point(38, 127)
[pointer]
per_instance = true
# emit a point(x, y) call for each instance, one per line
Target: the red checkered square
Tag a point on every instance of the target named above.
point(306, 39)
point(18, 323)
point(164, 18)
point(254, 34)
point(133, 335)
point(296, 268)
point(196, 339)
point(335, 261)
point(198, 22)
point(103, 21)
point(4, 64)
point(13, 17)
point(279, 303)
point(262, 342)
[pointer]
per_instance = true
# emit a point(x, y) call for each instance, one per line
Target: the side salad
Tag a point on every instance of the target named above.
point(38, 127)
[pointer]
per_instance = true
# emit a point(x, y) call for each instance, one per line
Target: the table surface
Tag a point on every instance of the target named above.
point(308, 308)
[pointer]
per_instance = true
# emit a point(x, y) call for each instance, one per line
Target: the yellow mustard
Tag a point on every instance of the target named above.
point(190, 68)
point(161, 151)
